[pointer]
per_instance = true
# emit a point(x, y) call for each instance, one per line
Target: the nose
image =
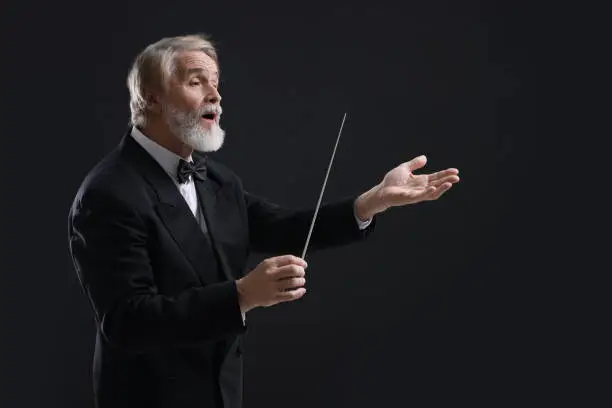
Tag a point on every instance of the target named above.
point(213, 96)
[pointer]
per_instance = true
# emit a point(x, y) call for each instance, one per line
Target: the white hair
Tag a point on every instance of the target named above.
point(153, 67)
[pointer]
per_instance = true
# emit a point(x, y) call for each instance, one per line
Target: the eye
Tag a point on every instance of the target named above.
point(194, 82)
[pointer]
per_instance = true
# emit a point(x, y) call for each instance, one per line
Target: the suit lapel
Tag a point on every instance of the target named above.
point(175, 213)
point(208, 191)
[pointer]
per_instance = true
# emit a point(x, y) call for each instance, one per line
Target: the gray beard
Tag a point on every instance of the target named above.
point(186, 126)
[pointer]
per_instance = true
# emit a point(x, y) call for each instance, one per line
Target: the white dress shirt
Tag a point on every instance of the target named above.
point(169, 161)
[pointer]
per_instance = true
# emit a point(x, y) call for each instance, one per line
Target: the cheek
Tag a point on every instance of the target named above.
point(190, 98)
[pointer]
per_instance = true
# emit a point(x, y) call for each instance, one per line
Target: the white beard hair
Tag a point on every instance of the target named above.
point(186, 126)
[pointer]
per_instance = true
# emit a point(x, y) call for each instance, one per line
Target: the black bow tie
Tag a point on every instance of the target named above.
point(195, 169)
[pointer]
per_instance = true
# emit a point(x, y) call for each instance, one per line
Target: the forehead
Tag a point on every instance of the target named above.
point(191, 61)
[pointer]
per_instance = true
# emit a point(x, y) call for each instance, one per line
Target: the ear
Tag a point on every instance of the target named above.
point(154, 103)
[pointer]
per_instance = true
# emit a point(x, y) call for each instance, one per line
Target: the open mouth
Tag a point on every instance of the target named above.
point(209, 116)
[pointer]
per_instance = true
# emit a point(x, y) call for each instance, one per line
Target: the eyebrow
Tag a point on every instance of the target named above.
point(191, 71)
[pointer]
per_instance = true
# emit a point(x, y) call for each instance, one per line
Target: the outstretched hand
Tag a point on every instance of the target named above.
point(401, 186)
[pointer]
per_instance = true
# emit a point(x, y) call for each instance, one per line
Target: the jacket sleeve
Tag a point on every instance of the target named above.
point(275, 229)
point(109, 246)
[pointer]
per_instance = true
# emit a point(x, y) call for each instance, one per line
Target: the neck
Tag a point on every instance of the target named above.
point(161, 134)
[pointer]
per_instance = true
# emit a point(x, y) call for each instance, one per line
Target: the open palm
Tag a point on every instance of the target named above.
point(401, 186)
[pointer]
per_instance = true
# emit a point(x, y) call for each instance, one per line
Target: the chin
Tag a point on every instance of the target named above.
point(206, 140)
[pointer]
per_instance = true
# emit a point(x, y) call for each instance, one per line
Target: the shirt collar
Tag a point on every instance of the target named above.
point(167, 160)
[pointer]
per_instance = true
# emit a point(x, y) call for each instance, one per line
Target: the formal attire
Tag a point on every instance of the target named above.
point(158, 257)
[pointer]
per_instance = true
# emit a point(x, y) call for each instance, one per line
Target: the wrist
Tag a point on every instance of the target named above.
point(243, 299)
point(366, 206)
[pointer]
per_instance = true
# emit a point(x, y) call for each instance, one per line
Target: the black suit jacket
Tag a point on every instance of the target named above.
point(163, 293)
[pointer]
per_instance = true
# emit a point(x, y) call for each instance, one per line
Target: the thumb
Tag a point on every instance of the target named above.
point(417, 162)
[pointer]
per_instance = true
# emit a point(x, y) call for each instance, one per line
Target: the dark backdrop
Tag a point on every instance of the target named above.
point(447, 302)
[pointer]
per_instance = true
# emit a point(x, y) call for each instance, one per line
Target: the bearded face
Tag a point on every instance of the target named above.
point(199, 128)
point(191, 106)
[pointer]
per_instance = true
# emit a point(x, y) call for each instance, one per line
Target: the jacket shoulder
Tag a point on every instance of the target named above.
point(112, 179)
point(224, 174)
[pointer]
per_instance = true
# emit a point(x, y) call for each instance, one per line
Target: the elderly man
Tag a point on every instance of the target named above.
point(159, 235)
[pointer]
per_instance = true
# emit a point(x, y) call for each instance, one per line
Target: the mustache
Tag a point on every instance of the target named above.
point(210, 108)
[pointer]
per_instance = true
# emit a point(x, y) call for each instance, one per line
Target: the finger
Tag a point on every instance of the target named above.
point(288, 271)
point(441, 190)
point(429, 192)
point(290, 295)
point(442, 174)
point(448, 179)
point(292, 283)
point(422, 194)
point(283, 260)
point(416, 163)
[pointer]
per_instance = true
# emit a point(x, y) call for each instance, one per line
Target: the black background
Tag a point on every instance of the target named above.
point(450, 302)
